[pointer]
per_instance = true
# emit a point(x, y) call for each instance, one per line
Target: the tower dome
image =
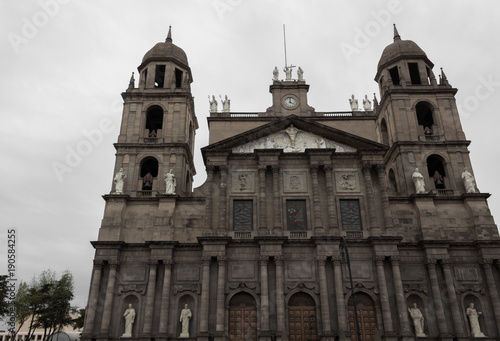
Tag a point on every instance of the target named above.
point(401, 49)
point(166, 51)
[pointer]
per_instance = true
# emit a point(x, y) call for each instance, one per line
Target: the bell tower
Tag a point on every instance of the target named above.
point(158, 124)
point(418, 118)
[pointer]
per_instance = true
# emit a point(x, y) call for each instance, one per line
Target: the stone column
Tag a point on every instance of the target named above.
point(369, 195)
point(165, 296)
point(323, 294)
point(438, 303)
point(400, 296)
point(264, 294)
point(221, 285)
point(316, 199)
point(94, 293)
point(262, 196)
point(339, 297)
point(280, 299)
point(108, 300)
point(495, 301)
point(455, 309)
point(208, 200)
point(276, 198)
point(205, 282)
point(223, 201)
point(150, 297)
point(332, 208)
point(384, 296)
point(385, 196)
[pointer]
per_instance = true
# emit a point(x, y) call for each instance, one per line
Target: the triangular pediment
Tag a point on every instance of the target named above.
point(292, 140)
point(294, 134)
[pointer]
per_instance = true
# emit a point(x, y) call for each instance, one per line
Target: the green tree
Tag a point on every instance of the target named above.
point(4, 304)
point(45, 303)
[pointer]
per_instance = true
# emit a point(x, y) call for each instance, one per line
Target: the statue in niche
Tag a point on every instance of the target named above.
point(354, 103)
point(288, 73)
point(276, 74)
point(129, 316)
point(119, 181)
point(367, 105)
point(473, 315)
point(469, 181)
point(292, 133)
point(418, 320)
point(213, 104)
point(418, 180)
point(225, 104)
point(170, 182)
point(184, 319)
point(300, 74)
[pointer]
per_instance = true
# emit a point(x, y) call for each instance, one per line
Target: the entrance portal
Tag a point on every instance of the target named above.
point(242, 317)
point(302, 324)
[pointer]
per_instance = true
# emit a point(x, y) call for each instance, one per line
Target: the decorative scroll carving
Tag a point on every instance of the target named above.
point(196, 288)
point(138, 288)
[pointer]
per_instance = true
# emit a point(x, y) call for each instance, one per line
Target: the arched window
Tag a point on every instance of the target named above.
point(384, 132)
point(154, 121)
point(424, 117)
point(435, 168)
point(149, 171)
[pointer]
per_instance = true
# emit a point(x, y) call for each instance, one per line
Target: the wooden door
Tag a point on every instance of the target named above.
point(366, 317)
point(242, 318)
point(302, 321)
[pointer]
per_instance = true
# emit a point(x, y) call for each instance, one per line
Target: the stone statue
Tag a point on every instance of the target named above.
point(213, 104)
point(184, 319)
point(276, 74)
point(119, 180)
point(225, 104)
point(129, 316)
point(354, 103)
point(288, 73)
point(469, 181)
point(367, 105)
point(170, 182)
point(418, 320)
point(300, 74)
point(418, 180)
point(473, 315)
point(292, 132)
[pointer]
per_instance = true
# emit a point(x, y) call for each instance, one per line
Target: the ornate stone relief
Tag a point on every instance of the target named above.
point(244, 285)
point(138, 288)
point(294, 182)
point(196, 288)
point(347, 181)
point(301, 285)
point(292, 140)
point(243, 181)
point(418, 287)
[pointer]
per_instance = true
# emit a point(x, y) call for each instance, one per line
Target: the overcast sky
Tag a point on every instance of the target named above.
point(65, 63)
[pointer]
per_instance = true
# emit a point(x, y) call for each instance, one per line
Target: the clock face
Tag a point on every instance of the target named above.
point(290, 102)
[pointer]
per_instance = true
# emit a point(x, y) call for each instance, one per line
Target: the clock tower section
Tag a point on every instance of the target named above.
point(289, 96)
point(158, 124)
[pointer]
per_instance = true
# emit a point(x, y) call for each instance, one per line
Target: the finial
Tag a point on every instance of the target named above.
point(131, 83)
point(396, 33)
point(443, 80)
point(169, 36)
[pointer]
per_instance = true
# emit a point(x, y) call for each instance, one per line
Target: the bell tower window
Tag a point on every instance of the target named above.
point(154, 121)
point(436, 171)
point(159, 76)
point(149, 171)
point(384, 132)
point(424, 117)
point(414, 74)
point(394, 75)
point(178, 78)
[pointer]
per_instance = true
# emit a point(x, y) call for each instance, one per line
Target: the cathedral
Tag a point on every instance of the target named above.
point(346, 225)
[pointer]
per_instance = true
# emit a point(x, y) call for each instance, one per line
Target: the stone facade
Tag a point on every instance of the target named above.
point(255, 252)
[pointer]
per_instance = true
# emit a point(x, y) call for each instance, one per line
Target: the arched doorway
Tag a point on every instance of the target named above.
point(242, 317)
point(366, 317)
point(302, 321)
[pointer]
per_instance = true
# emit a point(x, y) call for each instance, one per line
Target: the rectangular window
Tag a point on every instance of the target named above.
point(394, 75)
point(243, 215)
point(350, 215)
point(296, 216)
point(160, 76)
point(414, 74)
point(178, 78)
